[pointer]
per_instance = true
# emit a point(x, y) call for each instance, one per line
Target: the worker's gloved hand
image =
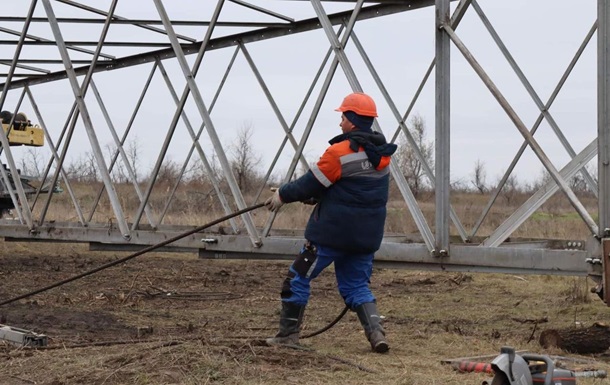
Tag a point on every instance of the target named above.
point(275, 202)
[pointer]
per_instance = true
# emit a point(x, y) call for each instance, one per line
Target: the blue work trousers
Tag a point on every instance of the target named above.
point(353, 272)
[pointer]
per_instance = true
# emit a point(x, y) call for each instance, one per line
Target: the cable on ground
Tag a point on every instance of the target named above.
point(136, 254)
point(156, 246)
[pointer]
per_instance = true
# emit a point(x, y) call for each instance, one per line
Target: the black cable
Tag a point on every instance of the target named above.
point(330, 325)
point(156, 246)
point(136, 254)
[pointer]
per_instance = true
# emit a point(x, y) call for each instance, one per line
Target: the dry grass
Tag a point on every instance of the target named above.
point(556, 219)
point(429, 317)
point(195, 203)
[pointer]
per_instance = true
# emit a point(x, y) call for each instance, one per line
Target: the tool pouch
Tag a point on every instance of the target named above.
point(304, 262)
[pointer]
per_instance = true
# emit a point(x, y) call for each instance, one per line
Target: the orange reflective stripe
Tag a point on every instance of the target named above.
point(329, 170)
point(330, 162)
point(383, 163)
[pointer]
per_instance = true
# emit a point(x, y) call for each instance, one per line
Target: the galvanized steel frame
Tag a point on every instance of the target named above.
point(433, 250)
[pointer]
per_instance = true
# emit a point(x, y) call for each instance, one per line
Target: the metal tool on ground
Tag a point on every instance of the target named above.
point(473, 367)
point(22, 337)
point(592, 374)
point(528, 369)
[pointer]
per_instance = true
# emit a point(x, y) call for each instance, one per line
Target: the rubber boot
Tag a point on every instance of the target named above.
point(291, 317)
point(371, 322)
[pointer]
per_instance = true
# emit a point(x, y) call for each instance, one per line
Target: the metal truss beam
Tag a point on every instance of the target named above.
point(522, 258)
point(231, 40)
point(190, 23)
point(433, 248)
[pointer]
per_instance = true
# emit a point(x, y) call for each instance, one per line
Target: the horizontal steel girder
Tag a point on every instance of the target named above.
point(394, 253)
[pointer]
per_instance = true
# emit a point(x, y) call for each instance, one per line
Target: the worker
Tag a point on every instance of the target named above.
point(349, 186)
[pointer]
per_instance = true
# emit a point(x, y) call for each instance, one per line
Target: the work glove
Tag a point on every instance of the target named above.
point(275, 202)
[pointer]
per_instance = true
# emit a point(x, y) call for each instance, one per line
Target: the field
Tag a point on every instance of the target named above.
point(175, 319)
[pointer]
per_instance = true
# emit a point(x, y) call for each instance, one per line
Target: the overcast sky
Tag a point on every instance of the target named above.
point(542, 35)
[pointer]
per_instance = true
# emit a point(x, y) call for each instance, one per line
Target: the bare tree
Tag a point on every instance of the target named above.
point(169, 173)
point(83, 169)
point(510, 189)
point(410, 164)
point(244, 159)
point(578, 183)
point(478, 177)
point(119, 171)
point(32, 163)
point(133, 157)
point(541, 181)
point(118, 174)
point(90, 167)
point(459, 185)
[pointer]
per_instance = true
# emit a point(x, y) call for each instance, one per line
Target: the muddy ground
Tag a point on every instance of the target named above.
point(176, 319)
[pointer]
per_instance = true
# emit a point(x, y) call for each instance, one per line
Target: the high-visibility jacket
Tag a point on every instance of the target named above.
point(350, 182)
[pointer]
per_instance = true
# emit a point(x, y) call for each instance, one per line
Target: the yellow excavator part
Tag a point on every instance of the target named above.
point(24, 136)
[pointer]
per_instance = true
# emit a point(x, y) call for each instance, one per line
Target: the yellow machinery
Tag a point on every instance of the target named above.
point(21, 132)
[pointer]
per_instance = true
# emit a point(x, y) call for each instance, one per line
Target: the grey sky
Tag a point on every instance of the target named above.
point(542, 35)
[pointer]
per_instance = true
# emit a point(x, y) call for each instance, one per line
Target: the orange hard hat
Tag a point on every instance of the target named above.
point(360, 103)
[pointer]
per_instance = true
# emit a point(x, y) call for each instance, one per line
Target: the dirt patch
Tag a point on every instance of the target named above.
point(85, 325)
point(175, 319)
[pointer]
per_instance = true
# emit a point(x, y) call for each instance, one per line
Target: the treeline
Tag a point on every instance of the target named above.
point(245, 163)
